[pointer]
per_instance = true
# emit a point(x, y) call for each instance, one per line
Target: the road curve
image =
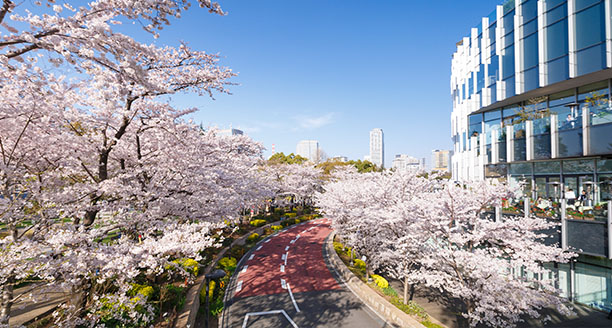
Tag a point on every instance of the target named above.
point(285, 281)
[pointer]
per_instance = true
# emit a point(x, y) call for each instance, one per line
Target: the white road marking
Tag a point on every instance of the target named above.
point(287, 248)
point(282, 268)
point(246, 317)
point(239, 286)
point(267, 240)
point(293, 299)
point(251, 257)
point(258, 248)
point(292, 241)
point(283, 284)
point(284, 256)
point(244, 269)
point(297, 237)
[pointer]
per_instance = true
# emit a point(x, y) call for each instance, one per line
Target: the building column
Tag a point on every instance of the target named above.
point(554, 136)
point(494, 147)
point(608, 10)
point(610, 230)
point(519, 57)
point(529, 139)
point(586, 131)
point(542, 49)
point(509, 143)
point(571, 28)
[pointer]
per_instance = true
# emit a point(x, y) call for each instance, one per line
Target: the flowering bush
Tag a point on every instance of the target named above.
point(359, 264)
point(380, 281)
point(253, 238)
point(277, 227)
point(257, 223)
point(228, 264)
point(291, 215)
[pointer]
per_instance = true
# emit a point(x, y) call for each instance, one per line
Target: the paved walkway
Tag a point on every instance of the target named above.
point(442, 311)
point(285, 282)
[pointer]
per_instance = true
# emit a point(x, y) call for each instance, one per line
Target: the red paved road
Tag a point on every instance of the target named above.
point(305, 269)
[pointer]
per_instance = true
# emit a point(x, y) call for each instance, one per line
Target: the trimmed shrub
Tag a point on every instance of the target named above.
point(338, 247)
point(228, 264)
point(257, 223)
point(291, 215)
point(380, 281)
point(253, 238)
point(359, 264)
point(276, 227)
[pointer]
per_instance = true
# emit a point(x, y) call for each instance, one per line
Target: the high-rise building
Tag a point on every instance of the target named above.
point(230, 132)
point(377, 147)
point(405, 163)
point(439, 160)
point(531, 89)
point(309, 149)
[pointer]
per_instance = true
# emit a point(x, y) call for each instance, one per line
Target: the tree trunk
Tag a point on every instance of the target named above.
point(406, 291)
point(6, 302)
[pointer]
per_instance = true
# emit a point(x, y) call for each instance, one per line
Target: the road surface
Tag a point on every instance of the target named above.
point(285, 281)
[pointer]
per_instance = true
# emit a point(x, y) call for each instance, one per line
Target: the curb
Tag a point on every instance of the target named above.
point(376, 302)
point(189, 312)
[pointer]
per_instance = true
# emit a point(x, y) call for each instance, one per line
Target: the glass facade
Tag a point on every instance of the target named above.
point(554, 136)
point(590, 36)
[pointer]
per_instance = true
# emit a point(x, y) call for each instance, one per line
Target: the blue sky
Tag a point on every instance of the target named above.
point(333, 70)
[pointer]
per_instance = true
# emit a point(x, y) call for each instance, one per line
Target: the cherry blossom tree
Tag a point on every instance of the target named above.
point(89, 148)
point(424, 231)
point(299, 180)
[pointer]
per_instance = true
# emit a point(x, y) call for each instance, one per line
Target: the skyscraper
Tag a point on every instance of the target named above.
point(377, 147)
point(439, 160)
point(309, 149)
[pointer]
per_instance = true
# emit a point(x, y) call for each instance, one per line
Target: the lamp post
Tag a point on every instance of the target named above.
point(217, 274)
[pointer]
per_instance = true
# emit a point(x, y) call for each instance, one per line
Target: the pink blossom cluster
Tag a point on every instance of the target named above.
point(102, 180)
point(431, 232)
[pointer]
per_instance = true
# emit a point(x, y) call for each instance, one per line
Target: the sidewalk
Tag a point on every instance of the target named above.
point(444, 312)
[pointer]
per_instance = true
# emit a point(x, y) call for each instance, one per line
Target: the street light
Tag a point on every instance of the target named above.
point(217, 274)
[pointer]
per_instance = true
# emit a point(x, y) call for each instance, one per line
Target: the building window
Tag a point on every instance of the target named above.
point(590, 37)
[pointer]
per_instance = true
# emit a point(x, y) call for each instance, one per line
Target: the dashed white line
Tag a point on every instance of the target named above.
point(292, 241)
point(287, 248)
point(258, 248)
point(282, 268)
point(251, 257)
point(293, 299)
point(244, 269)
point(239, 286)
point(283, 284)
point(267, 240)
point(284, 256)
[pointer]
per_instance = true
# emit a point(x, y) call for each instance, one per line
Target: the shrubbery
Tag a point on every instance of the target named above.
point(360, 265)
point(257, 223)
point(228, 264)
point(380, 281)
point(276, 227)
point(253, 238)
point(291, 215)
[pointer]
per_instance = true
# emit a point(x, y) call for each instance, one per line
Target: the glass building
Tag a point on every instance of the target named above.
point(531, 89)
